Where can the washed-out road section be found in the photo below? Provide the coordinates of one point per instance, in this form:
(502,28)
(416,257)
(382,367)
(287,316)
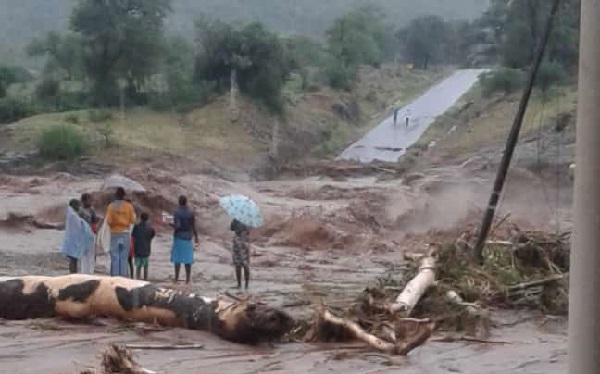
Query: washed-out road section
(390,139)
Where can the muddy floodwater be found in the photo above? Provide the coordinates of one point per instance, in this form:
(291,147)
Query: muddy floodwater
(323,241)
(523,343)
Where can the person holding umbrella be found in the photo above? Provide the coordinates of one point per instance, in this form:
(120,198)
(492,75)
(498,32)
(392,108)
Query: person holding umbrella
(245,214)
(184,230)
(240,252)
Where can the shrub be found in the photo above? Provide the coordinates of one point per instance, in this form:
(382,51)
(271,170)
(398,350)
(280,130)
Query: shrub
(72,118)
(12,110)
(106,130)
(339,77)
(504,80)
(100,115)
(550,74)
(61,142)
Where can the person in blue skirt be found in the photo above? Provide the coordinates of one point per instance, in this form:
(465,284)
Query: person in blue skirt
(184,226)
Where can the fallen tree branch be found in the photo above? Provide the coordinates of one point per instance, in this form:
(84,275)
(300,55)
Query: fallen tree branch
(415,289)
(534,283)
(81,296)
(454,298)
(164,346)
(328,320)
(451,338)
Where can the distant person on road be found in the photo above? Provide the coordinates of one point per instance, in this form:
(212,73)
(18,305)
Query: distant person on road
(240,252)
(182,252)
(407,118)
(120,217)
(142,235)
(396,115)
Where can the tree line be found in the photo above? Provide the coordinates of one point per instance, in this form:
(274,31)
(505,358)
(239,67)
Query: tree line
(114,49)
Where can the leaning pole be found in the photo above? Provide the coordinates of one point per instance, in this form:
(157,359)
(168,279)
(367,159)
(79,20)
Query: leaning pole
(584,305)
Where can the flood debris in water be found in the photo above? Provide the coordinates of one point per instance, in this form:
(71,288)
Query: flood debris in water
(447,292)
(118,360)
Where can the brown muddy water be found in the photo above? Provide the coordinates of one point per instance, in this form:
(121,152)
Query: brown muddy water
(533,344)
(357,237)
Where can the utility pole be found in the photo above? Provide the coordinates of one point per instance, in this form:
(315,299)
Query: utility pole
(584,292)
(513,137)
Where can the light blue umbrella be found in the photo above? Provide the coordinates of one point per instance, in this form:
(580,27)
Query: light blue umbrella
(243,209)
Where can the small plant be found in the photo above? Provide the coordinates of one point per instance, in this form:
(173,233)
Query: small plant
(72,118)
(100,115)
(61,142)
(107,130)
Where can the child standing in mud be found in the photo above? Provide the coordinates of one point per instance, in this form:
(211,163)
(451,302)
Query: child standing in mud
(240,252)
(142,236)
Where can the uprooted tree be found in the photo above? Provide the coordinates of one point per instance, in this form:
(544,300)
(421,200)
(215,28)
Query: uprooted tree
(447,292)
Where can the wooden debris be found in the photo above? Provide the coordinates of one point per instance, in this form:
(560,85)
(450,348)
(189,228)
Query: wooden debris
(165,346)
(416,288)
(453,338)
(118,360)
(352,330)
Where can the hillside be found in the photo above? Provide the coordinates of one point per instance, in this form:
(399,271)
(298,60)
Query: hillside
(22,20)
(317,124)
(477,127)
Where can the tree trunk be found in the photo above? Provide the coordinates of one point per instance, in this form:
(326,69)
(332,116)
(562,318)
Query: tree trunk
(346,328)
(233,92)
(414,290)
(84,296)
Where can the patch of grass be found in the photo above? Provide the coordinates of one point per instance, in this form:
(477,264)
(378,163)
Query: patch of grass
(486,121)
(100,115)
(72,118)
(61,142)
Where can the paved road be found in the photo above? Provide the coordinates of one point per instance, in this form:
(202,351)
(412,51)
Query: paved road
(389,141)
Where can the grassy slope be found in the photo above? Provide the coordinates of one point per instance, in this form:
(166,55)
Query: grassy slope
(213,133)
(487,121)
(377,92)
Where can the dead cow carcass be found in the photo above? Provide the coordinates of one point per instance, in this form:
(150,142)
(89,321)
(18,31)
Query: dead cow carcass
(84,296)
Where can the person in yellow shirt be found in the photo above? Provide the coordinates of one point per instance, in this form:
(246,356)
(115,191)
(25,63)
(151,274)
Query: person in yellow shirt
(120,216)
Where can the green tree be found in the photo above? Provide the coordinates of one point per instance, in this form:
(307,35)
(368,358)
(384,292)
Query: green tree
(362,37)
(424,41)
(177,69)
(523,27)
(63,52)
(550,74)
(120,39)
(7,77)
(252,55)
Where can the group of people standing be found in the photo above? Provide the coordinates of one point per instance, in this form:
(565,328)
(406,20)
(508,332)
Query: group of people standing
(131,239)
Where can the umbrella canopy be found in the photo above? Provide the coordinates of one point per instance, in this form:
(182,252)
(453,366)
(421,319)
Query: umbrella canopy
(117,180)
(243,209)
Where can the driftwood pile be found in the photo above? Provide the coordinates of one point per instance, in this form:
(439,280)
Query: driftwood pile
(447,292)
